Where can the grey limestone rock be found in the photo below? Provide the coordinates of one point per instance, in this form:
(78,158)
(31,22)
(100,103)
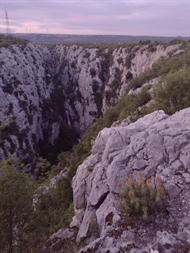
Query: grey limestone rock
(46,86)
(146,145)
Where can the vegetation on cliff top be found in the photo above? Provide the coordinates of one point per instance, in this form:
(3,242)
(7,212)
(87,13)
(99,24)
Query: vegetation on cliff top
(8,40)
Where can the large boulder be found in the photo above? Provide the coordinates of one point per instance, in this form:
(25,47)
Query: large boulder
(158,146)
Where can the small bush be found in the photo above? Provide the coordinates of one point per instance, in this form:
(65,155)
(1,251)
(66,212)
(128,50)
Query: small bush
(138,81)
(129,76)
(128,62)
(120,60)
(93,227)
(73,64)
(92,72)
(86,54)
(95,86)
(152,48)
(172,93)
(144,42)
(8,88)
(141,197)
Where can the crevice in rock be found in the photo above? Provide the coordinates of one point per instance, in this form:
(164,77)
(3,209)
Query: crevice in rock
(101,200)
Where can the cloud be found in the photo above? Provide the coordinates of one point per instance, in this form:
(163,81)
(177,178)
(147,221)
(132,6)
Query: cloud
(128,17)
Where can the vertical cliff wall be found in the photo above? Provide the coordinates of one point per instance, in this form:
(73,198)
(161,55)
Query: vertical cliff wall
(52,90)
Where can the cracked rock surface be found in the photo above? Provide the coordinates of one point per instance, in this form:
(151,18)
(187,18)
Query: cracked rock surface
(158,146)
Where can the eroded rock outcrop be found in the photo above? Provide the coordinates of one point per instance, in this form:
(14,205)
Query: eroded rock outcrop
(50,89)
(23,90)
(158,145)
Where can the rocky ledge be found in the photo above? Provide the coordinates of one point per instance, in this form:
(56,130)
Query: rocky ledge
(157,145)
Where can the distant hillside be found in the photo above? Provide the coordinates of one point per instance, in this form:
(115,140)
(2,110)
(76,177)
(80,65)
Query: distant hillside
(110,39)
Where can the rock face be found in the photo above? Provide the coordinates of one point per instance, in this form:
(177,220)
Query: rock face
(29,92)
(158,145)
(23,90)
(50,89)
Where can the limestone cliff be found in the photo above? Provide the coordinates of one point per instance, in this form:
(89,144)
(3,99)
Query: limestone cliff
(50,90)
(156,145)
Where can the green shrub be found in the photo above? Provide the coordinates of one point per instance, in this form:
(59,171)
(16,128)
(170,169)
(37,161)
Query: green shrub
(140,198)
(5,122)
(110,116)
(83,148)
(8,40)
(144,42)
(173,91)
(138,81)
(54,208)
(16,207)
(177,41)
(128,105)
(63,159)
(144,96)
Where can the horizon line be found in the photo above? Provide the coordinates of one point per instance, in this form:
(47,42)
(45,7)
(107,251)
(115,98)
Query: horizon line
(178,36)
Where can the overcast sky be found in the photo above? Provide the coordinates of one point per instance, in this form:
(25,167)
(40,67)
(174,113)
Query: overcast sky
(117,17)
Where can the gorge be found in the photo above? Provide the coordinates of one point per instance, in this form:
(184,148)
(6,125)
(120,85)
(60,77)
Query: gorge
(54,93)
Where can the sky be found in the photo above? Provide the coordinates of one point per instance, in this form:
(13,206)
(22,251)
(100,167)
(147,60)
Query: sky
(100,17)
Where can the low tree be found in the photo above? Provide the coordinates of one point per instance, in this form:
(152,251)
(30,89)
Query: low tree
(54,208)
(16,207)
